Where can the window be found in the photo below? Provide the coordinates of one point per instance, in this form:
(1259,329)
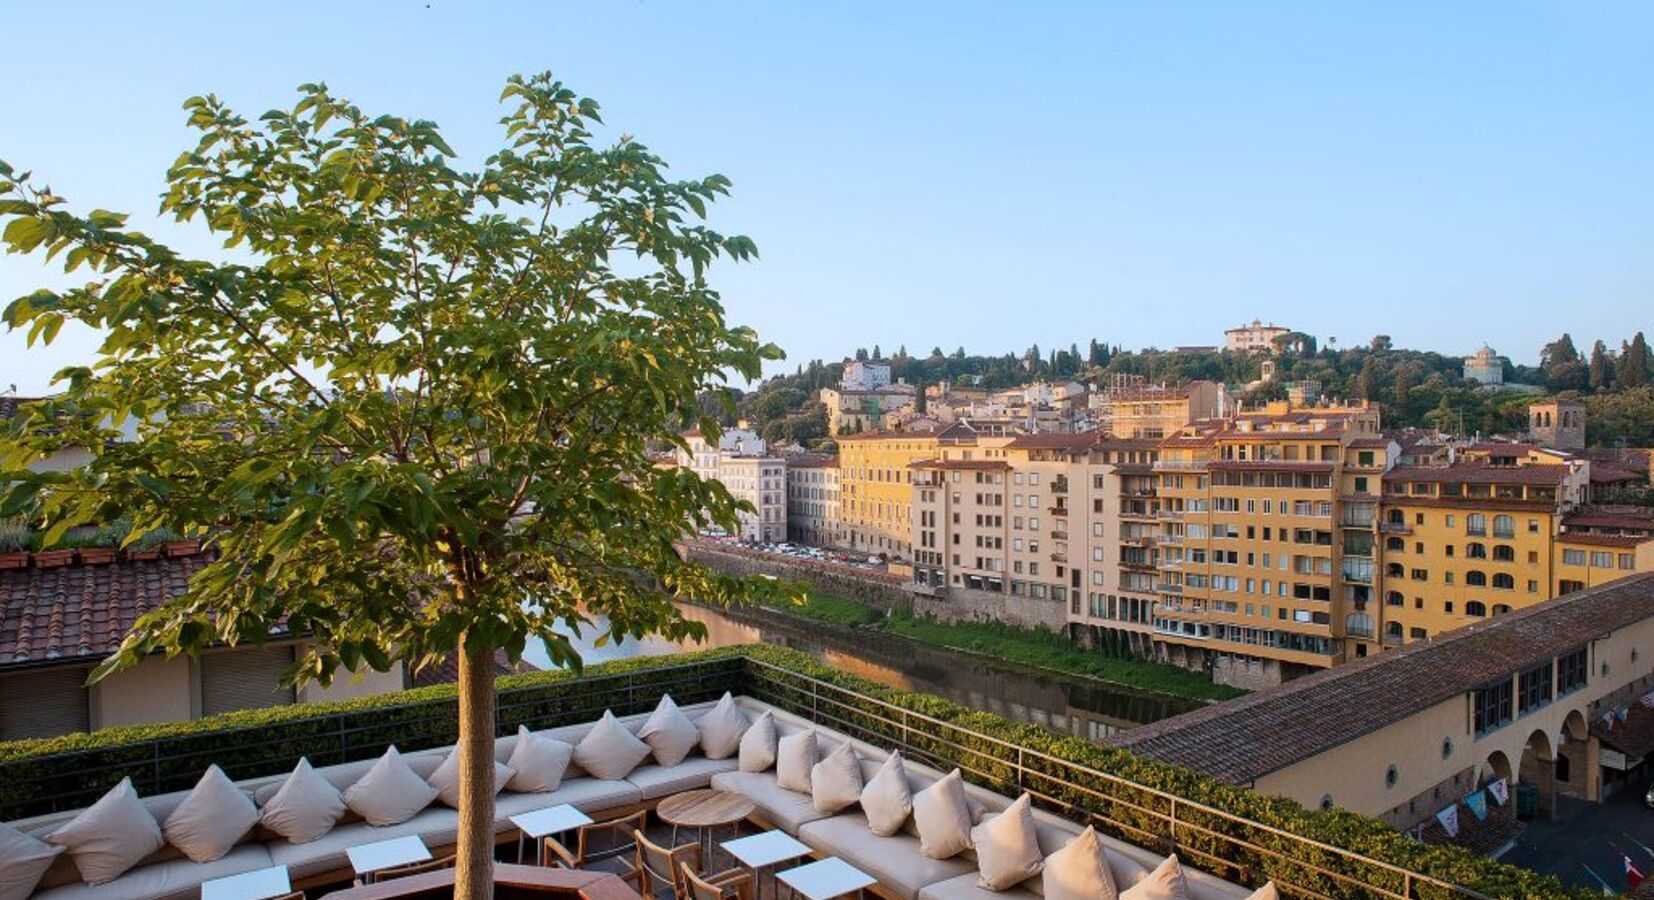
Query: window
(1492,706)
(1601,559)
(1391,776)
(1628,561)
(1504,526)
(1475,578)
(1475,551)
(1533,689)
(1571,671)
(1573,557)
(1475,524)
(1504,553)
(1504,582)
(1475,608)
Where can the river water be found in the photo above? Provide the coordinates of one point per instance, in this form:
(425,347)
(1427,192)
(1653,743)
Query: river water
(1081,707)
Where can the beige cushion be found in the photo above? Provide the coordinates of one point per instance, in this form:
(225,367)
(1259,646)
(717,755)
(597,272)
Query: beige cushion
(942,818)
(390,793)
(1007,847)
(887,800)
(1166,882)
(1079,871)
(446,779)
(306,807)
(758,744)
(212,819)
(609,751)
(537,762)
(669,733)
(1267,892)
(721,728)
(795,756)
(23,859)
(835,782)
(110,836)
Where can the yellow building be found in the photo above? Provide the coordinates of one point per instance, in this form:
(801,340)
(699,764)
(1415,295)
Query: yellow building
(1254,583)
(1470,540)
(1135,410)
(876,486)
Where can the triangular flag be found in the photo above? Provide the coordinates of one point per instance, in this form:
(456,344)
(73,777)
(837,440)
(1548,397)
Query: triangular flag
(1499,791)
(1478,805)
(1633,875)
(1449,818)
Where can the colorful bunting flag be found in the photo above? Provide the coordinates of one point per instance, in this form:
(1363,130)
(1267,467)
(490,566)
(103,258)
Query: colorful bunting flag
(1478,805)
(1499,791)
(1647,700)
(1633,875)
(1449,818)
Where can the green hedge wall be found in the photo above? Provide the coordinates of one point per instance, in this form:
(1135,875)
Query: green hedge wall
(38,776)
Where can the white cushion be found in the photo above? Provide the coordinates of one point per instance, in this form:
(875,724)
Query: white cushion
(1166,882)
(446,779)
(110,836)
(669,733)
(537,762)
(795,756)
(306,807)
(721,728)
(942,817)
(1079,871)
(23,860)
(758,744)
(390,793)
(1267,892)
(1007,847)
(609,751)
(887,800)
(212,819)
(835,782)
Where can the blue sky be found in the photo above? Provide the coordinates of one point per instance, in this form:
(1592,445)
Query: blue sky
(982,174)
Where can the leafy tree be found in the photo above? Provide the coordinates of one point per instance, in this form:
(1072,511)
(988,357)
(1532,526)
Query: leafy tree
(877,353)
(861,354)
(1634,363)
(1602,368)
(411,415)
(1380,343)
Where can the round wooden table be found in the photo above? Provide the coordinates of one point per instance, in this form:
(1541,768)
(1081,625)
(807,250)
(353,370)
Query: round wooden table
(704,810)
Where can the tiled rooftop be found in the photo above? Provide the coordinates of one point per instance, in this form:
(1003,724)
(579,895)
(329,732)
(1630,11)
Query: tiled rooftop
(81,610)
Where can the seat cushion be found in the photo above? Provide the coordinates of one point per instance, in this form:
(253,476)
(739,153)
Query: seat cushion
(783,809)
(436,825)
(695,772)
(896,861)
(175,879)
(589,795)
(969,887)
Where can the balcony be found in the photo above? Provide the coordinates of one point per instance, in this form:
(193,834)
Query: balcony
(1395,528)
(1169,587)
(1164,513)
(1057,510)
(1059,557)
(932,734)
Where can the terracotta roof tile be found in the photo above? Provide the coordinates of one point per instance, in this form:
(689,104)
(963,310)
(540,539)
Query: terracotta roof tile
(1476,473)
(1246,738)
(83,611)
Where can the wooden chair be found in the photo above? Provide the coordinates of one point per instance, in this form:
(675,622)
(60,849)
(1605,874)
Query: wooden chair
(731,885)
(660,866)
(429,865)
(601,842)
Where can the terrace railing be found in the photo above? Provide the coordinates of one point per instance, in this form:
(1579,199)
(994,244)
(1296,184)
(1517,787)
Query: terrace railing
(1228,845)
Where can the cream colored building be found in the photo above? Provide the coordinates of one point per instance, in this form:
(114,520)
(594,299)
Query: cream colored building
(813,500)
(1254,338)
(1519,699)
(1138,410)
(760,482)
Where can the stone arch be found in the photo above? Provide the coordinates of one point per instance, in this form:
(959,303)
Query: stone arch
(1537,771)
(1574,727)
(1497,767)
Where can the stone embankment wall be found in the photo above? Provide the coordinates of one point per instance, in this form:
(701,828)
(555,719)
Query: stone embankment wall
(957,604)
(879,590)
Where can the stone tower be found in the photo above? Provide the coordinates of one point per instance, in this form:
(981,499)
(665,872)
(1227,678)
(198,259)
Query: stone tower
(1558,424)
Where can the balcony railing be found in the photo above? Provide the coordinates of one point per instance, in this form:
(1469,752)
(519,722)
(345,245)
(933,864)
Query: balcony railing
(1227,844)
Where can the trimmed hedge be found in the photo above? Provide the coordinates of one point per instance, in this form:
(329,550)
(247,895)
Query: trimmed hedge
(269,741)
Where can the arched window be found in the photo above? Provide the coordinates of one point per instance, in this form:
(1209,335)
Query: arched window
(1359,625)
(1394,570)
(1500,609)
(1504,553)
(1475,578)
(1397,517)
(1504,526)
(1475,608)
(1395,544)
(1394,598)
(1475,550)
(1392,629)
(1503,581)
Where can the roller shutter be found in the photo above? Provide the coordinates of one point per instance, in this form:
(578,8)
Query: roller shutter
(245,678)
(44,703)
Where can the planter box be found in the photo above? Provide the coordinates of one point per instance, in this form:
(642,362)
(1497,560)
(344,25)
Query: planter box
(97,556)
(183,548)
(51,559)
(16,560)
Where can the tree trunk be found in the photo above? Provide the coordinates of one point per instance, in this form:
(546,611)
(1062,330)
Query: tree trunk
(474,875)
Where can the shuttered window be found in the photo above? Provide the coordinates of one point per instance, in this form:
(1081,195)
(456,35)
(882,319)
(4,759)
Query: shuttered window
(45,703)
(245,678)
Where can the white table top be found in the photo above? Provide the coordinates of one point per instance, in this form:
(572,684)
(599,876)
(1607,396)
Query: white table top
(828,878)
(255,885)
(551,820)
(765,849)
(400,851)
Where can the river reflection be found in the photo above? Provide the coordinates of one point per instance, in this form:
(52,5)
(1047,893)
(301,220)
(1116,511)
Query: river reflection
(1083,708)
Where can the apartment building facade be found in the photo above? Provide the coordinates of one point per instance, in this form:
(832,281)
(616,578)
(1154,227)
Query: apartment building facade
(737,460)
(1254,338)
(813,500)
(1137,410)
(876,486)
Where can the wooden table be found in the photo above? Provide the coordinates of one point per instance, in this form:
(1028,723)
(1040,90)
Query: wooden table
(704,810)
